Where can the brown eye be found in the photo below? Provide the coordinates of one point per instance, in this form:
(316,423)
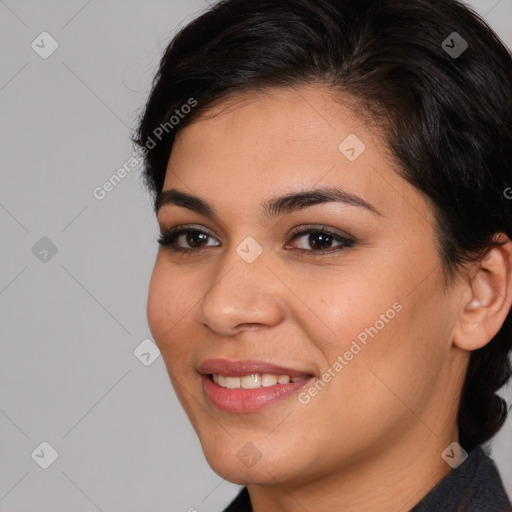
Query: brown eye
(320,240)
(195,238)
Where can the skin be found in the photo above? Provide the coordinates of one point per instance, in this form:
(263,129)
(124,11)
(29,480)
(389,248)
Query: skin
(372,438)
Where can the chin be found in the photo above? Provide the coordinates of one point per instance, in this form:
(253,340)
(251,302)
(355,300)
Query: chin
(241,467)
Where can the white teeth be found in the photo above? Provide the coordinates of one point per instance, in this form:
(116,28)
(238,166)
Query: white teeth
(255,380)
(250,381)
(232,382)
(268,380)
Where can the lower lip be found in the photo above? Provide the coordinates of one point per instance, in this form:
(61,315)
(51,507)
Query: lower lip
(249,400)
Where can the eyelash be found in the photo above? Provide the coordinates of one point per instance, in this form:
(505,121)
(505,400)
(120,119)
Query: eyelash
(169,237)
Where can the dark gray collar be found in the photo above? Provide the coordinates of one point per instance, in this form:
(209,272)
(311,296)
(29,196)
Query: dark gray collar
(475,486)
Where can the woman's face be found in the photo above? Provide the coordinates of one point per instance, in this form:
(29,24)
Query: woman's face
(367,319)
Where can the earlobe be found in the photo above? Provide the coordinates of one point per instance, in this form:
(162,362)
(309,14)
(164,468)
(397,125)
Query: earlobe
(490,292)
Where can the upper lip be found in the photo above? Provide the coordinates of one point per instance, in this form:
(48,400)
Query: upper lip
(241,368)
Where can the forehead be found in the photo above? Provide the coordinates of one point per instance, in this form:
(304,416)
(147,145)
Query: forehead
(275,125)
(277,141)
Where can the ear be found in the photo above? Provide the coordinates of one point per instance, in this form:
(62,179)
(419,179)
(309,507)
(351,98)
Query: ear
(487,298)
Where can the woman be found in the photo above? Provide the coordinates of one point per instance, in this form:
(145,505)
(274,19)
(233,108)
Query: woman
(332,293)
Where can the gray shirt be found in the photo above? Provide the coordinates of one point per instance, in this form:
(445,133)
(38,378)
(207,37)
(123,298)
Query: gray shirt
(474,486)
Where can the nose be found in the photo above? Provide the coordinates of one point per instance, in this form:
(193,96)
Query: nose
(241,296)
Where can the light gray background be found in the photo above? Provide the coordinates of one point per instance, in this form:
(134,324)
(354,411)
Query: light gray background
(69,325)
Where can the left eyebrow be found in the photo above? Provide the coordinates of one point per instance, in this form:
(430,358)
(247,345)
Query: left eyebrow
(274,207)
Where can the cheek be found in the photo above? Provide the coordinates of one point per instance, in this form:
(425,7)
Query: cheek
(353,307)
(167,308)
(157,305)
(392,356)
(380,330)
(173,297)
